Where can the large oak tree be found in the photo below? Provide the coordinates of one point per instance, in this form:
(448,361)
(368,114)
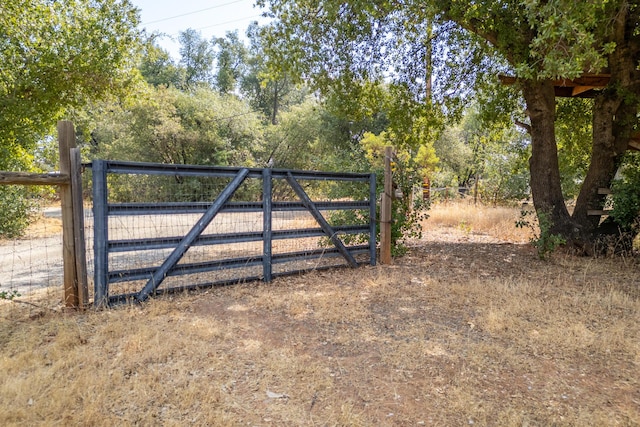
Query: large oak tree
(540,42)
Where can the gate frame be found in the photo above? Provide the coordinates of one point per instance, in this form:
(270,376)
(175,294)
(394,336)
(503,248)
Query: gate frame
(102,210)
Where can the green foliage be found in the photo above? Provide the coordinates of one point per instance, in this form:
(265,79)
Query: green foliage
(172,126)
(15,208)
(9,295)
(157,67)
(626,195)
(196,57)
(407,216)
(543,240)
(231,57)
(409,169)
(574,137)
(16,202)
(295,143)
(268,90)
(493,153)
(57,55)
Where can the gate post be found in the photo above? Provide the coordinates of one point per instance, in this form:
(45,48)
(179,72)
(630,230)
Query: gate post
(78,227)
(267,194)
(385,209)
(67,141)
(372,219)
(100,234)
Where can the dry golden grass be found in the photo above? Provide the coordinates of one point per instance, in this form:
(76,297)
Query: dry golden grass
(41,227)
(498,221)
(466,329)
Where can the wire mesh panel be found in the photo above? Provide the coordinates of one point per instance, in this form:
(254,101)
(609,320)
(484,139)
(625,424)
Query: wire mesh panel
(31,262)
(163,228)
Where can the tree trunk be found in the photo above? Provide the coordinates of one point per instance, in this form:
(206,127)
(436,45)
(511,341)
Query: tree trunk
(605,159)
(614,117)
(545,173)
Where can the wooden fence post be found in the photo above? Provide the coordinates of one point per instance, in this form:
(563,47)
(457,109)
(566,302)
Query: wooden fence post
(78,227)
(74,267)
(385,209)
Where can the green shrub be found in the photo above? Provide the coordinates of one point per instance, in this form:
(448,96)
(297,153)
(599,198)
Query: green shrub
(543,240)
(15,210)
(626,195)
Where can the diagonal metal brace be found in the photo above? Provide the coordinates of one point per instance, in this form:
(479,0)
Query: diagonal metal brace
(329,231)
(177,254)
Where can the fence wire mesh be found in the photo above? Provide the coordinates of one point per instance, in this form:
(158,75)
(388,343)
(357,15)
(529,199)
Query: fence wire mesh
(148,214)
(31,264)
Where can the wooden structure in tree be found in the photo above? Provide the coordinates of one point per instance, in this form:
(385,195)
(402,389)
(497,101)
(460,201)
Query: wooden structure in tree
(585,86)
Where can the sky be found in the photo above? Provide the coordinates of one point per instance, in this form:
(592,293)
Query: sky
(209,17)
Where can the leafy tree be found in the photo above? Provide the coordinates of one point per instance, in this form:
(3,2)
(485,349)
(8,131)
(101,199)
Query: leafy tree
(269,90)
(539,42)
(172,126)
(167,125)
(231,57)
(295,142)
(56,56)
(158,68)
(556,39)
(455,158)
(196,56)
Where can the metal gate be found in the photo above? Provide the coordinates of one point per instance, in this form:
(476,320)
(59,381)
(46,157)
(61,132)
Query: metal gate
(316,208)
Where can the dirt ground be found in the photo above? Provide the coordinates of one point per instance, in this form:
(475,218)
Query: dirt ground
(469,328)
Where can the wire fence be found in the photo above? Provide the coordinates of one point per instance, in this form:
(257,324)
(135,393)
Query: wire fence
(150,234)
(158,210)
(31,265)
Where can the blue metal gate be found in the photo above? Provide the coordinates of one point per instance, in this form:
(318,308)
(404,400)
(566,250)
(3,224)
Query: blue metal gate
(343,231)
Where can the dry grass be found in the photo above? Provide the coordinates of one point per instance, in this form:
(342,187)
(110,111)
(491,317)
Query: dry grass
(498,221)
(40,228)
(466,329)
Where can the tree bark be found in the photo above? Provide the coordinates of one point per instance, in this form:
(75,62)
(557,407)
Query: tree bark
(543,164)
(606,154)
(614,117)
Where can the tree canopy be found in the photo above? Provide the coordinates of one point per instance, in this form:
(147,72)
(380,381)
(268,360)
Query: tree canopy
(465,45)
(328,82)
(58,54)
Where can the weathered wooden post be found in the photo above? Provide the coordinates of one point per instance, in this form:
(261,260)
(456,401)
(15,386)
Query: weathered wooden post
(385,209)
(78,227)
(73,254)
(372,219)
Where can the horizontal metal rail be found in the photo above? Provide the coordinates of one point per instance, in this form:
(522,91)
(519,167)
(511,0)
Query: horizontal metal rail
(135,168)
(227,238)
(243,262)
(171,208)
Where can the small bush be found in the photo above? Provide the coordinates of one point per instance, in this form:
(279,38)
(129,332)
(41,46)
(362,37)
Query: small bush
(626,195)
(543,240)
(15,211)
